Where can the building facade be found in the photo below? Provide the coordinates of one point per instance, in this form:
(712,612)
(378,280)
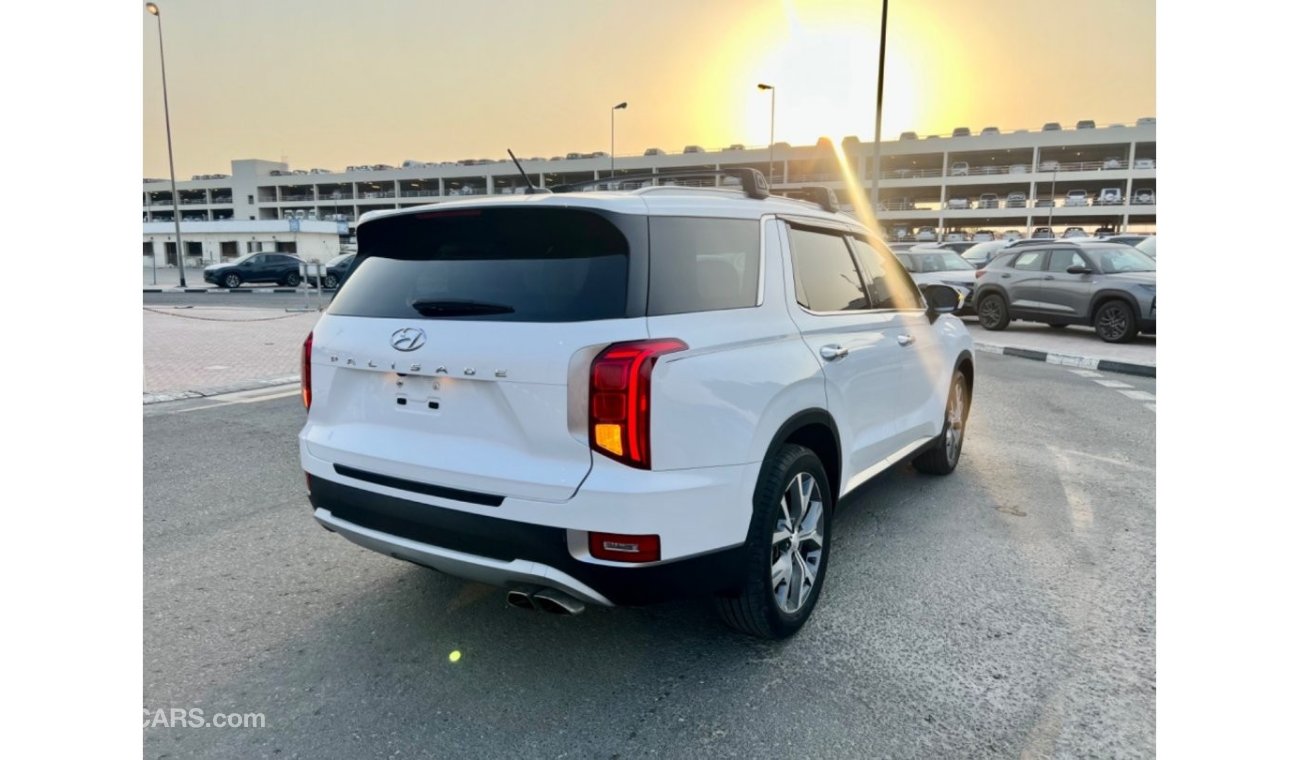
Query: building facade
(1092,177)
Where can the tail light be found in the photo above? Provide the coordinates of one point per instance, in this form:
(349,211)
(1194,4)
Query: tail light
(306,372)
(618,424)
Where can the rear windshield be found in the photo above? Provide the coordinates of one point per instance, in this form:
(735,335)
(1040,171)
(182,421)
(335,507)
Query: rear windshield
(504,264)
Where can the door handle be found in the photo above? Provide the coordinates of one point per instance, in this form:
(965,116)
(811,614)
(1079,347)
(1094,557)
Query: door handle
(1005,276)
(832,352)
(1049,277)
(906,340)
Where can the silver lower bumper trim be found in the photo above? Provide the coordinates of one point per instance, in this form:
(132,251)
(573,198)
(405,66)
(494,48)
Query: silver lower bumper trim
(470,566)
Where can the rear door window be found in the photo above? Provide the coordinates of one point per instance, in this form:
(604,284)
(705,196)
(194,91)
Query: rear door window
(701,264)
(825,278)
(499,264)
(1031,261)
(888,284)
(1064,258)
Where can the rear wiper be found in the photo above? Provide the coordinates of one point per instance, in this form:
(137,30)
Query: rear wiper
(448,308)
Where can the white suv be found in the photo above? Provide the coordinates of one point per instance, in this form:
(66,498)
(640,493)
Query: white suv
(622,397)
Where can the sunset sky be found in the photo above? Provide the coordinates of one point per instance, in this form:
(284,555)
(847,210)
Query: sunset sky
(329,83)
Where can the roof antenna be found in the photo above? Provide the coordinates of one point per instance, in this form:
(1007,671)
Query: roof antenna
(531,190)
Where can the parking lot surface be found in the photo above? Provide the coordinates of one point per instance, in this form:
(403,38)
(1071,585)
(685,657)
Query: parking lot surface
(1007,610)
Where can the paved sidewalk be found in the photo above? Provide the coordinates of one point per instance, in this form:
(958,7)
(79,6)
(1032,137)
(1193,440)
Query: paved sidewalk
(201,351)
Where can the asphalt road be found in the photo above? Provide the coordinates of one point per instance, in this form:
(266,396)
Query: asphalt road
(1007,610)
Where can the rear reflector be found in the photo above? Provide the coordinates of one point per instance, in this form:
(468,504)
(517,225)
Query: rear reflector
(618,547)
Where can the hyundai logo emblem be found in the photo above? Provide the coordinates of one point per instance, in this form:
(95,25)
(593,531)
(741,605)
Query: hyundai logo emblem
(407,339)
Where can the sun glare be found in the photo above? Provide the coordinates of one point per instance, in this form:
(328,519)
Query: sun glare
(824,68)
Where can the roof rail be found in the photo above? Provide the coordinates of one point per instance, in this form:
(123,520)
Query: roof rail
(752,181)
(824,197)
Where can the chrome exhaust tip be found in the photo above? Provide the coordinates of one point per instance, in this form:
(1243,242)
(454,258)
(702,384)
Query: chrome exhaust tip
(557,602)
(520,599)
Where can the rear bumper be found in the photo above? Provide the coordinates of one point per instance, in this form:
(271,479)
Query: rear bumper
(507,552)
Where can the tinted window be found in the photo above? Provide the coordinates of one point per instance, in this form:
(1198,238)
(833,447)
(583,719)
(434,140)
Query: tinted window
(1123,259)
(825,278)
(889,286)
(1030,260)
(502,264)
(702,264)
(1064,258)
(938,261)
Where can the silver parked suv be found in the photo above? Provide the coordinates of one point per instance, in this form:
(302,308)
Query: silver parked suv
(1109,286)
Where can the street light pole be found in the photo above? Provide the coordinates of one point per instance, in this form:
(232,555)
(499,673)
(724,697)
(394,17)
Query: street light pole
(771,135)
(880,95)
(1052,208)
(171,164)
(620,106)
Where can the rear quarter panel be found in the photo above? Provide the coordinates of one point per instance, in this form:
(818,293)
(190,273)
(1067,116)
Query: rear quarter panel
(747,371)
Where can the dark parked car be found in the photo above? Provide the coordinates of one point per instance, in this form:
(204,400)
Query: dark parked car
(265,266)
(1110,286)
(337,268)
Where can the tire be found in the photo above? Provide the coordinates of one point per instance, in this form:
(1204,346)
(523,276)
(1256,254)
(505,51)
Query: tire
(942,458)
(331,282)
(1115,322)
(993,312)
(776,611)
(293,279)
(231,280)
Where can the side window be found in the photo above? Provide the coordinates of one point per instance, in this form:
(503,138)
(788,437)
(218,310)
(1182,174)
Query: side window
(889,285)
(825,278)
(257,260)
(699,264)
(1030,261)
(1064,258)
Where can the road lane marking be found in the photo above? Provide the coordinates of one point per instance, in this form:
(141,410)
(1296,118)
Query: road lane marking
(1152,407)
(1086,373)
(1139,395)
(1107,460)
(1075,496)
(1112,384)
(217,405)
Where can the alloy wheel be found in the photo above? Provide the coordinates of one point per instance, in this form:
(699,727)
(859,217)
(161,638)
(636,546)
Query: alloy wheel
(990,312)
(956,422)
(797,543)
(1112,322)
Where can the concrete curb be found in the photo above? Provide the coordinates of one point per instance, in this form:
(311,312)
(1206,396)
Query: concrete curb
(1070,360)
(247,385)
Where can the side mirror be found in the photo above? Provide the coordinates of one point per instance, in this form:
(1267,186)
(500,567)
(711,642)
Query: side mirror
(941,299)
(1078,270)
